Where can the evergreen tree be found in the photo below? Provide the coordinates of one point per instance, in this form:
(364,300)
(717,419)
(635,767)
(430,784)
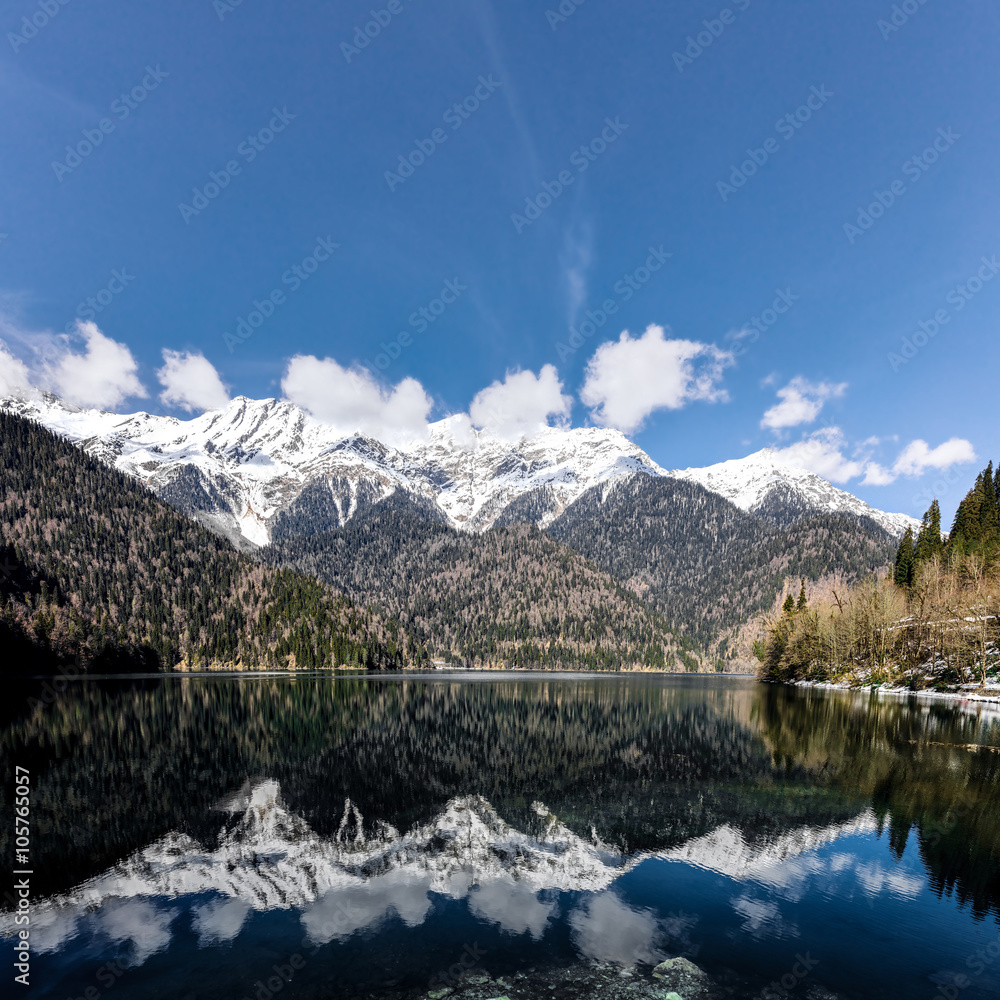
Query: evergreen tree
(977,521)
(789,606)
(929,542)
(802,604)
(989,511)
(903,573)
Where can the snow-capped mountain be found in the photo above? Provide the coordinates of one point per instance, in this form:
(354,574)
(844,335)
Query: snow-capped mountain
(760,484)
(244,469)
(270,859)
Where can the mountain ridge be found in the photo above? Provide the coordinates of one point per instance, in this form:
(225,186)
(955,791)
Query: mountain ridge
(245,470)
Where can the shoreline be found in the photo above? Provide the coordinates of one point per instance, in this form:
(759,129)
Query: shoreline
(340,673)
(990,695)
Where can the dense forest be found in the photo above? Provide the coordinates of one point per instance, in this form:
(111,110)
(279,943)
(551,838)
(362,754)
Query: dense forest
(934,621)
(97,572)
(510,596)
(702,562)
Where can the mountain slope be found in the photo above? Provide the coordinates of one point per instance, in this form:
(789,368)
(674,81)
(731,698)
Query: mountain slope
(761,484)
(703,562)
(93,568)
(264,469)
(508,596)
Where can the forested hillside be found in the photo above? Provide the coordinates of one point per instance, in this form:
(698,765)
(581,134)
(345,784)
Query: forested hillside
(511,595)
(933,622)
(702,562)
(95,570)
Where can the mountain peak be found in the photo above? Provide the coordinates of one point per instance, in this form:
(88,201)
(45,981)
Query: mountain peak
(242,465)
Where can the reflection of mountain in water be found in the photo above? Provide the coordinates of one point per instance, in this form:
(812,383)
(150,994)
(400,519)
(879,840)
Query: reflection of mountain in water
(271,859)
(631,766)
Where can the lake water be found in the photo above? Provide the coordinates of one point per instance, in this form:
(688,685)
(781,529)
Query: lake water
(391,837)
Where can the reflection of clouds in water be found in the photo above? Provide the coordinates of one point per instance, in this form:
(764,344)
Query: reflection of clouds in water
(875,879)
(512,905)
(609,930)
(796,877)
(219,922)
(346,909)
(51,929)
(139,922)
(677,929)
(762,920)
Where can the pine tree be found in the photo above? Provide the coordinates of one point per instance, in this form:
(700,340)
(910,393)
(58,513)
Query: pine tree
(977,521)
(929,542)
(802,604)
(789,606)
(903,573)
(989,512)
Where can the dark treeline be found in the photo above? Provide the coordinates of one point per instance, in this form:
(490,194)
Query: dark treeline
(934,621)
(510,596)
(97,573)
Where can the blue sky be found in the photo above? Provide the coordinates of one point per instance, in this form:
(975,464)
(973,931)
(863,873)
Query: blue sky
(241,142)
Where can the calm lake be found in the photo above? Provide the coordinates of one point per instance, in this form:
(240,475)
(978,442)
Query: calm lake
(392,837)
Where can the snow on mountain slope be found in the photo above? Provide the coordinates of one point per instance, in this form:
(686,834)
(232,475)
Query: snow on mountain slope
(270,859)
(754,482)
(236,469)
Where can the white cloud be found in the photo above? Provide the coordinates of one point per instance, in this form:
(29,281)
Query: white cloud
(14,380)
(877,475)
(520,404)
(629,378)
(610,930)
(826,452)
(103,376)
(823,452)
(191,382)
(801,402)
(346,909)
(139,922)
(351,400)
(513,905)
(918,456)
(219,921)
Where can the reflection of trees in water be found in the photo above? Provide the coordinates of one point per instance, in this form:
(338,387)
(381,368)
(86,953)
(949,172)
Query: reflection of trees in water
(117,765)
(917,764)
